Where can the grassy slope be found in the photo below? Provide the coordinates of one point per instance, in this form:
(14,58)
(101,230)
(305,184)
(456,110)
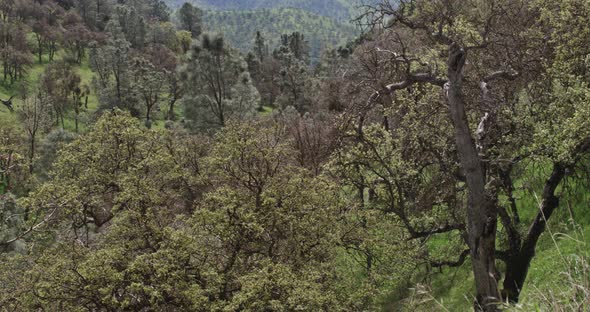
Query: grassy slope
(453,288)
(32,79)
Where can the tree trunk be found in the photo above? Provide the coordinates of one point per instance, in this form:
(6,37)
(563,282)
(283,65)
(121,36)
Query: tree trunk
(171,115)
(518,264)
(79,53)
(32,153)
(77,113)
(148,119)
(40,52)
(118,85)
(481,214)
(52,51)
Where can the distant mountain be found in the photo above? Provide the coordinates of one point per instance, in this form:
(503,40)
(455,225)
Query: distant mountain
(240,27)
(341,10)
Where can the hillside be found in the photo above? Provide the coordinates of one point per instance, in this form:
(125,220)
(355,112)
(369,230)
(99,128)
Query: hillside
(341,10)
(240,27)
(150,163)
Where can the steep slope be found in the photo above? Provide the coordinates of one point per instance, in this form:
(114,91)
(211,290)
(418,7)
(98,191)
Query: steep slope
(240,27)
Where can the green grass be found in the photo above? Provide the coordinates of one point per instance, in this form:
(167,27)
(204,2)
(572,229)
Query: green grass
(87,75)
(454,287)
(266,110)
(564,238)
(32,78)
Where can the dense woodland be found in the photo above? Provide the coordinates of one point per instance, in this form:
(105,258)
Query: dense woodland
(340,10)
(436,162)
(239,27)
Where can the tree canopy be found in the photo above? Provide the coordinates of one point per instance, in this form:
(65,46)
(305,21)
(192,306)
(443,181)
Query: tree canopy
(259,158)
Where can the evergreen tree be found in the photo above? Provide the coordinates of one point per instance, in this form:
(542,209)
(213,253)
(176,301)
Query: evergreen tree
(260,47)
(191,19)
(132,24)
(297,45)
(111,63)
(158,9)
(217,84)
(294,77)
(149,84)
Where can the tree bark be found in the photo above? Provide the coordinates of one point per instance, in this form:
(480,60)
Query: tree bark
(171,115)
(148,118)
(32,152)
(40,51)
(518,264)
(481,213)
(77,112)
(61,116)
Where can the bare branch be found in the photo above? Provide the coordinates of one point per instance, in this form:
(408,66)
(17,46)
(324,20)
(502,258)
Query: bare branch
(443,229)
(453,264)
(31,229)
(411,80)
(501,74)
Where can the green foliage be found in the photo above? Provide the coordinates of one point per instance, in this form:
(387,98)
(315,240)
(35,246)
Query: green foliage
(132,23)
(191,19)
(294,81)
(561,125)
(218,85)
(13,173)
(240,27)
(111,63)
(342,10)
(149,84)
(398,197)
(261,224)
(12,218)
(295,207)
(49,147)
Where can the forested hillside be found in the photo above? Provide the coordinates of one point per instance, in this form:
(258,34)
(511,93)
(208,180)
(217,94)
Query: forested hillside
(325,24)
(169,158)
(240,27)
(341,10)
